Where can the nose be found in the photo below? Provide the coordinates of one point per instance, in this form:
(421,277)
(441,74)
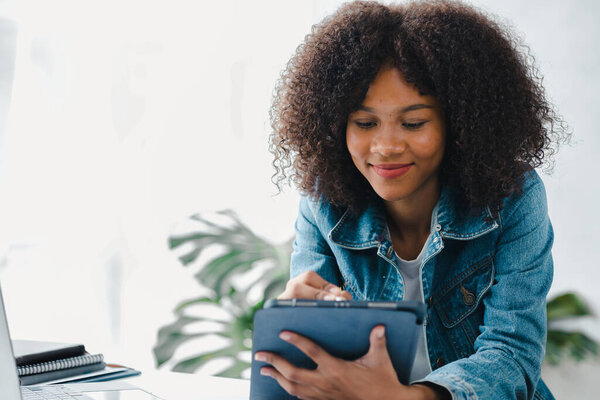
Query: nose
(388,141)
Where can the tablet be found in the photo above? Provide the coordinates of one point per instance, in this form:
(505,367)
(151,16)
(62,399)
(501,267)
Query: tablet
(342,328)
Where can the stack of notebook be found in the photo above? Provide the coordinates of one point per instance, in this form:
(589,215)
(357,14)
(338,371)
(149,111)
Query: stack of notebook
(48,362)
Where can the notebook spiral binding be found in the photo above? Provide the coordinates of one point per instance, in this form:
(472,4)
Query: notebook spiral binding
(56,365)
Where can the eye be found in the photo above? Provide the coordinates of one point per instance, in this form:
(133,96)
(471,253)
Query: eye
(365,125)
(414,125)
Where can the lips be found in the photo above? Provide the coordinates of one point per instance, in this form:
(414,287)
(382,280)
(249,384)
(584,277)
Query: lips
(391,170)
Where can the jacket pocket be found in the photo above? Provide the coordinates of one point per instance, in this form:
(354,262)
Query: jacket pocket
(461,296)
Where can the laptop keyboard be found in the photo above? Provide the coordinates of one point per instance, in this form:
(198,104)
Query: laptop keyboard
(50,393)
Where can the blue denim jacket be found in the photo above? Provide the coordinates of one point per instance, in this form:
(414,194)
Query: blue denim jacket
(484,278)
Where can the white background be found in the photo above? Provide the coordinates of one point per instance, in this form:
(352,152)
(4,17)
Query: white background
(127,116)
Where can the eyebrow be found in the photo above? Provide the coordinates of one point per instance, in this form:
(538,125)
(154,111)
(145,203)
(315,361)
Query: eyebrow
(406,109)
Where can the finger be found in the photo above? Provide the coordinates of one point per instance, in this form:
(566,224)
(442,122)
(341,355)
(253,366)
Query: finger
(310,285)
(315,280)
(346,295)
(378,353)
(299,290)
(288,370)
(293,388)
(310,348)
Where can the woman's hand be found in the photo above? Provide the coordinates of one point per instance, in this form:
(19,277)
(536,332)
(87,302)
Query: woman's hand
(310,285)
(369,377)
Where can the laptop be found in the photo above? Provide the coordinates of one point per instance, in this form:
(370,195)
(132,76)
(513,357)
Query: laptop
(10,388)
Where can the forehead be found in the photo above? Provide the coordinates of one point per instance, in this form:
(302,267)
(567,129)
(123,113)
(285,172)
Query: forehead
(390,87)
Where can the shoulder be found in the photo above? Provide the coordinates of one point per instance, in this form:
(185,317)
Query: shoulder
(320,211)
(316,217)
(529,206)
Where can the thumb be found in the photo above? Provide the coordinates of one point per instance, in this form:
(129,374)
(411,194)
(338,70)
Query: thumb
(377,353)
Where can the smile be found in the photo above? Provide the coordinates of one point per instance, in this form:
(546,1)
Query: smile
(391,170)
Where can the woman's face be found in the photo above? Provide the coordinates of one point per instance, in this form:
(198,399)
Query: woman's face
(396,138)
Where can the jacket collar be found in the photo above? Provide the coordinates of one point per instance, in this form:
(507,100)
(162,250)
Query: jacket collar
(456,223)
(369,228)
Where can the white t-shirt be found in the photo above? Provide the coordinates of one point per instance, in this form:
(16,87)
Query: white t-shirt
(412,291)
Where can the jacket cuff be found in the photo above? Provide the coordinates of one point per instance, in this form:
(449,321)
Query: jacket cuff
(459,389)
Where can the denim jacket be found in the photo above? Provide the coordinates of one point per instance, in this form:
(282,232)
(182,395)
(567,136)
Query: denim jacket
(484,278)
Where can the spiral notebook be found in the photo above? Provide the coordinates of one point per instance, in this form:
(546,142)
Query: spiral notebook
(40,362)
(56,365)
(59,369)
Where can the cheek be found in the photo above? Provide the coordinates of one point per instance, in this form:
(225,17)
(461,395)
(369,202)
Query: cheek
(355,144)
(429,146)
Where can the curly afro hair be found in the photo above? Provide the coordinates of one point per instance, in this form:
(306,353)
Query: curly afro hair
(499,122)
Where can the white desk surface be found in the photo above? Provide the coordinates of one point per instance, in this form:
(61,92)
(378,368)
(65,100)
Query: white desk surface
(179,386)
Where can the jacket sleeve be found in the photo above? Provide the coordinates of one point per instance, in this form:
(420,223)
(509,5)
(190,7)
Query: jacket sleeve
(310,250)
(510,349)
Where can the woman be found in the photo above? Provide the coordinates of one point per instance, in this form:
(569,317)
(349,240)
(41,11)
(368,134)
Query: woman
(413,132)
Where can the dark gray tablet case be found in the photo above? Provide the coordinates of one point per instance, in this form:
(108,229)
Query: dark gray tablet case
(342,328)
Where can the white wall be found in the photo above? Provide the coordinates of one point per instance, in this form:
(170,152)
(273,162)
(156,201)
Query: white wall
(128,116)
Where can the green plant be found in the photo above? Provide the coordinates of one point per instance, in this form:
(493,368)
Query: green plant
(247,270)
(562,343)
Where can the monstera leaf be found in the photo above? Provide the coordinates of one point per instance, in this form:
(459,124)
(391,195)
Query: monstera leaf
(563,343)
(245,271)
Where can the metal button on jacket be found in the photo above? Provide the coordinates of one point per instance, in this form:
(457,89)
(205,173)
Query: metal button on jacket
(468,297)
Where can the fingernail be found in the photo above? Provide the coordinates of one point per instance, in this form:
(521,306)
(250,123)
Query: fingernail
(329,297)
(260,357)
(339,298)
(333,289)
(380,332)
(265,372)
(285,336)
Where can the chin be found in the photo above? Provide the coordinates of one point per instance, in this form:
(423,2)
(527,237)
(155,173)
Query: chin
(391,195)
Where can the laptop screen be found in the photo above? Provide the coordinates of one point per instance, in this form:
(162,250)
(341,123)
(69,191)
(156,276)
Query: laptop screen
(9,381)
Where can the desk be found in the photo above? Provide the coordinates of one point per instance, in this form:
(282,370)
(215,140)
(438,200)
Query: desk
(179,386)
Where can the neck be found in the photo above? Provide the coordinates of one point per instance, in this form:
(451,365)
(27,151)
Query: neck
(411,217)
